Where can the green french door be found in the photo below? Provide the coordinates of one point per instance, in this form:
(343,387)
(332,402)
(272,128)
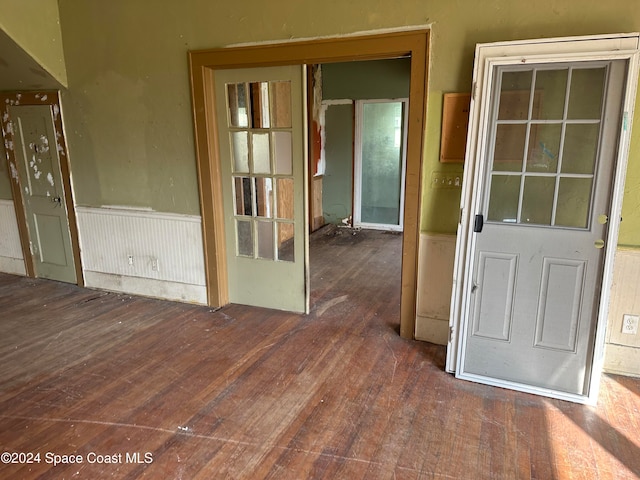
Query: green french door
(261,120)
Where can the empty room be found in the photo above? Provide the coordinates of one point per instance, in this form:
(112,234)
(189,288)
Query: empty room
(337,240)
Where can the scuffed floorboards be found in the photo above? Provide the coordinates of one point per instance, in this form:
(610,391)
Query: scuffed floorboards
(249,393)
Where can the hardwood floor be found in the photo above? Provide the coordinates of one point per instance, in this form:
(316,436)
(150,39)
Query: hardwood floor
(249,393)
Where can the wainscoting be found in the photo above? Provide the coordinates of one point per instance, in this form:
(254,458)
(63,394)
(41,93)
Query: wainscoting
(143,252)
(622,354)
(435,279)
(11,258)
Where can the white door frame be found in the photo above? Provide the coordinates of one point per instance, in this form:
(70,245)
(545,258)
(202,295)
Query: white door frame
(357,164)
(488,56)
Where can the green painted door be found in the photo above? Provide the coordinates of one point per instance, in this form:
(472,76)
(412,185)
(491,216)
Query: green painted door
(42,190)
(261,128)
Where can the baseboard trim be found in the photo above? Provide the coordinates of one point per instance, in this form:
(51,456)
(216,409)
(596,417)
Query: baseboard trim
(434,330)
(147,287)
(622,360)
(13,266)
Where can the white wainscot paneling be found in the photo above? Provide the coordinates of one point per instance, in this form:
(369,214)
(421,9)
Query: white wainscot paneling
(436,254)
(143,253)
(11,258)
(622,352)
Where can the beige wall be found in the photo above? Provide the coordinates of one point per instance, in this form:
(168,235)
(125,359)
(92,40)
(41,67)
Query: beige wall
(623,350)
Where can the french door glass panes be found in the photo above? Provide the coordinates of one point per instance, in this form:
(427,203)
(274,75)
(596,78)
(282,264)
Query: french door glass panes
(259,121)
(545,143)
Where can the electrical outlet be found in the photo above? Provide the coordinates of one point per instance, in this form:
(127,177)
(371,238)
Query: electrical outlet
(130,259)
(630,324)
(154,264)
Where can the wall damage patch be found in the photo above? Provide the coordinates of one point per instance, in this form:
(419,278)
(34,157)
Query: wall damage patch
(14,171)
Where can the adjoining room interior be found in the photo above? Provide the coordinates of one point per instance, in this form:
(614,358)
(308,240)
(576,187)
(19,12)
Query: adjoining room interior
(350,197)
(344,86)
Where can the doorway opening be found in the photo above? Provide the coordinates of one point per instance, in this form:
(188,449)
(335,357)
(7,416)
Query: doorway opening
(357,166)
(413,44)
(358,160)
(379,167)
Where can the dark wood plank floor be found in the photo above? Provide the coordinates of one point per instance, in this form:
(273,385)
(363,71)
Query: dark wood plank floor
(248,393)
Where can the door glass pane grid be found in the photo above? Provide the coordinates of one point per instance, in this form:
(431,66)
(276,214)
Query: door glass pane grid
(260,126)
(530,182)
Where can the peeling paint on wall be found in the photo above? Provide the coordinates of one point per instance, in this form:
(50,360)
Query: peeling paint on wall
(14,171)
(10,101)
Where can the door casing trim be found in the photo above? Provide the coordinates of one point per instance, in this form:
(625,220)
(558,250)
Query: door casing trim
(202,64)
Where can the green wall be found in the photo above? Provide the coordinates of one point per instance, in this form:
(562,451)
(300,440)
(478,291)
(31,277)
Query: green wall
(128,114)
(35,26)
(366,80)
(338,176)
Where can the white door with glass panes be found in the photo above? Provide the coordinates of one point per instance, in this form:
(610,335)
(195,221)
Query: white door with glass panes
(380,163)
(261,122)
(541,224)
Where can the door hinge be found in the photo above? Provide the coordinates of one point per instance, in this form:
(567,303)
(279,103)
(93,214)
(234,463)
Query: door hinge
(450,334)
(473,90)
